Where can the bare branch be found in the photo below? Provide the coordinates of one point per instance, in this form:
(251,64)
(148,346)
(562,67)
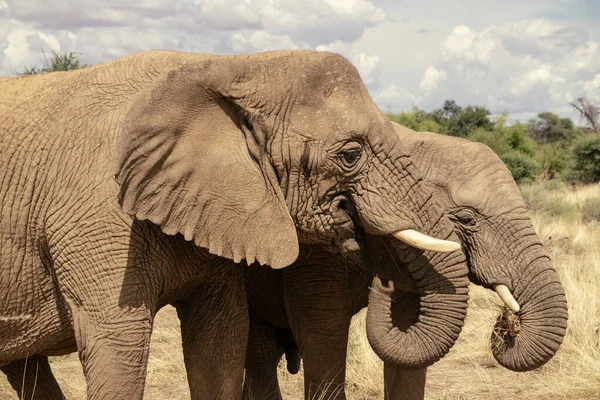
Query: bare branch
(588,112)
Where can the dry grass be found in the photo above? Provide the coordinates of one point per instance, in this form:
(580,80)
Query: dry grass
(469,371)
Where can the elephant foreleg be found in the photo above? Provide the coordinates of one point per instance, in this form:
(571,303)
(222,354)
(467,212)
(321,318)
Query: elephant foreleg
(319,315)
(32,378)
(404,384)
(113,351)
(214,331)
(262,357)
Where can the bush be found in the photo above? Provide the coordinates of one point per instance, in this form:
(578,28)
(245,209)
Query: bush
(590,209)
(66,61)
(517,139)
(586,159)
(554,159)
(550,198)
(522,166)
(558,207)
(415,120)
(494,140)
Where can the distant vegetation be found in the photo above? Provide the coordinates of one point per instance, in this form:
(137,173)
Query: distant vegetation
(546,147)
(57,62)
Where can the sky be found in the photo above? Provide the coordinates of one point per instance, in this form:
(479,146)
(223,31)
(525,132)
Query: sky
(520,57)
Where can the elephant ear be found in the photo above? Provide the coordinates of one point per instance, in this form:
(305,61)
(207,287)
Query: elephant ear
(189,161)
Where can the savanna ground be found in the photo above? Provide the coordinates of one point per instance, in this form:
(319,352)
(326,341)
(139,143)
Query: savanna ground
(568,221)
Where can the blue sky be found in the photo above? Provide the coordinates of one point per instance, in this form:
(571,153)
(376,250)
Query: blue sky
(517,56)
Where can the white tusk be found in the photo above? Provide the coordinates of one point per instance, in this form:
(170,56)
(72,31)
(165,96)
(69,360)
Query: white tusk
(507,297)
(424,242)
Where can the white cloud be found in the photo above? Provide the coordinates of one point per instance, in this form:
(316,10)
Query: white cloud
(523,67)
(432,79)
(477,53)
(395,97)
(103,30)
(593,85)
(366,64)
(260,41)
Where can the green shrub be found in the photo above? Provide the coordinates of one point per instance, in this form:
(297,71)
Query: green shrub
(66,61)
(415,120)
(535,193)
(407,119)
(554,159)
(494,140)
(517,139)
(586,159)
(522,166)
(558,207)
(428,125)
(590,209)
(547,203)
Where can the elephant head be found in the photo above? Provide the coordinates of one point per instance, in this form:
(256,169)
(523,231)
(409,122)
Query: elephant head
(248,155)
(484,208)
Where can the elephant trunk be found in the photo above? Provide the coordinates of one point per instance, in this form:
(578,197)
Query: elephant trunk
(528,339)
(441,281)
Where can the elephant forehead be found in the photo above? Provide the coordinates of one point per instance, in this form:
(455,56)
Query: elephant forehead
(335,121)
(489,189)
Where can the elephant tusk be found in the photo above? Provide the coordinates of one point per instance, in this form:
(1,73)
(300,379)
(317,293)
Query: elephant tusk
(424,242)
(507,297)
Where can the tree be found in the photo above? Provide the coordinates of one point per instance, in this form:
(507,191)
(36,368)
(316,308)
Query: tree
(522,167)
(586,156)
(58,62)
(416,119)
(470,118)
(588,112)
(550,128)
(458,121)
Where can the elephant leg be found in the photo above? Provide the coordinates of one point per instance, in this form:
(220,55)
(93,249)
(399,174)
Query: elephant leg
(32,378)
(262,357)
(319,312)
(324,358)
(404,384)
(214,331)
(113,350)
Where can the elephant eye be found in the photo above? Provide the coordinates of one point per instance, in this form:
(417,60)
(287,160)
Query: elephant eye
(466,220)
(465,217)
(350,154)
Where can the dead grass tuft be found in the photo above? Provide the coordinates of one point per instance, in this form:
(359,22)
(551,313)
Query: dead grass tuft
(506,328)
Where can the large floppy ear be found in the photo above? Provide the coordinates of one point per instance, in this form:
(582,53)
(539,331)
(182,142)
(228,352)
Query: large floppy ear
(190,160)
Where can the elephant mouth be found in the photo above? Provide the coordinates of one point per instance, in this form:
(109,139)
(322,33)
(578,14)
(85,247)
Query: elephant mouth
(351,235)
(351,232)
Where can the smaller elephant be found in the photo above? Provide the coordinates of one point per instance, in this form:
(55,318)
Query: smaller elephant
(317,296)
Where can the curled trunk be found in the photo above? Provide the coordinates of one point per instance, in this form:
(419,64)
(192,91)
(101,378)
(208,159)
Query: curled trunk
(442,284)
(528,339)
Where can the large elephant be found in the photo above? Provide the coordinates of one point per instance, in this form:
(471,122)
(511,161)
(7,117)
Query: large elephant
(217,159)
(317,296)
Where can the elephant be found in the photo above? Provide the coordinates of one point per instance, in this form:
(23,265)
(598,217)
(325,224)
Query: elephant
(149,179)
(313,300)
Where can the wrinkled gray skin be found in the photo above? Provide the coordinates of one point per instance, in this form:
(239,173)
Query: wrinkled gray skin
(314,299)
(216,158)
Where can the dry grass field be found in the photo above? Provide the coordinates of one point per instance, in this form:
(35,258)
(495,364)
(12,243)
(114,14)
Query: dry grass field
(567,219)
